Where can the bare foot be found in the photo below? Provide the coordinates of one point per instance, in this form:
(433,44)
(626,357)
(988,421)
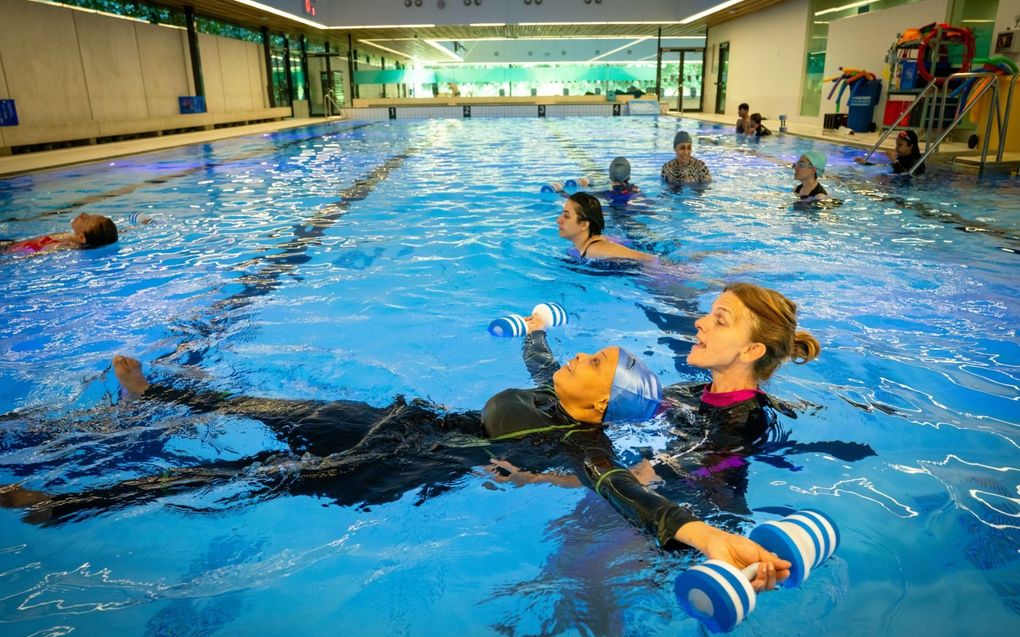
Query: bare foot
(129,373)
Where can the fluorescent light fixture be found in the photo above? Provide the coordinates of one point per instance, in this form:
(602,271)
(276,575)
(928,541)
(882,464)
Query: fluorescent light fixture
(378,26)
(275,11)
(488,24)
(821,22)
(593,24)
(440,47)
(379,46)
(620,48)
(979,21)
(545,38)
(57,3)
(709,11)
(852,5)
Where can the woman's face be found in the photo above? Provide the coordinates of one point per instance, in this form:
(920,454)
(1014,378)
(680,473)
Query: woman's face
(569,222)
(683,152)
(583,384)
(903,147)
(802,169)
(724,336)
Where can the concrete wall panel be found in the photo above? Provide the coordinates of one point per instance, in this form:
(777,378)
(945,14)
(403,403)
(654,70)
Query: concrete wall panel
(113,71)
(209,52)
(40,53)
(166,67)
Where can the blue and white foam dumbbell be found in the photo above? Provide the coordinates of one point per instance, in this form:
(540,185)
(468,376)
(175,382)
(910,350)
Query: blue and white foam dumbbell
(552,314)
(720,595)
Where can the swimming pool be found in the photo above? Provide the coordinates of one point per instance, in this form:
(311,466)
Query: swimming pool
(362,260)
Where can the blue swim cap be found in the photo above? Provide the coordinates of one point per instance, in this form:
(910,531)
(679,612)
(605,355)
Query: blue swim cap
(636,391)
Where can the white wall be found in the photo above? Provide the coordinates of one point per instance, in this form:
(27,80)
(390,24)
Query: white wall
(862,42)
(1005,18)
(766,71)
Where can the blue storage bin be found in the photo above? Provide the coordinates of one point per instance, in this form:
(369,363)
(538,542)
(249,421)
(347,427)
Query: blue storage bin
(908,74)
(864,95)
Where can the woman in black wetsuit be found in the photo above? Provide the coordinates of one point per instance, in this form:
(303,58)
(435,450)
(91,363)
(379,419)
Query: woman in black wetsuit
(358,454)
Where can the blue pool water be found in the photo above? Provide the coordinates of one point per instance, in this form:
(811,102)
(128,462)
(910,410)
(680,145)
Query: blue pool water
(360,261)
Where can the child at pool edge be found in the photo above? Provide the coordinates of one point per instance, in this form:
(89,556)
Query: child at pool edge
(806,170)
(742,118)
(906,155)
(87,231)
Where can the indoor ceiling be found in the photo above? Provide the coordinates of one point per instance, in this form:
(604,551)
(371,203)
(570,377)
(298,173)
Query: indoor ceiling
(413,43)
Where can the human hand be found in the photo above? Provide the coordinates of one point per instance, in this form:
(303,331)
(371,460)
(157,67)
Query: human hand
(891,154)
(535,322)
(859,160)
(737,550)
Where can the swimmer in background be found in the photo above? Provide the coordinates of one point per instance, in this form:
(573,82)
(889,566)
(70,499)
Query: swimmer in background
(359,454)
(756,128)
(743,121)
(684,169)
(87,231)
(619,180)
(906,155)
(581,222)
(806,170)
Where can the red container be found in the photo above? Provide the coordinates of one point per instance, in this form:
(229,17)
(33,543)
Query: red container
(893,110)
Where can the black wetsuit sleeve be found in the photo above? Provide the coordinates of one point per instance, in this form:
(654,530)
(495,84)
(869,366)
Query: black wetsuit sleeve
(655,513)
(539,358)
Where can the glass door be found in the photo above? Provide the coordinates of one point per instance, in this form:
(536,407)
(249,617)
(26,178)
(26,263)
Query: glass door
(720,84)
(681,73)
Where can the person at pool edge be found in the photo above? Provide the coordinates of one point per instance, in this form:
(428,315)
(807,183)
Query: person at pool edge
(87,231)
(581,222)
(743,120)
(807,170)
(684,169)
(906,155)
(748,334)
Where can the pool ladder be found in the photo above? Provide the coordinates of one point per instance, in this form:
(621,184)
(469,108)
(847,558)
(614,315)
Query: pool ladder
(931,123)
(330,106)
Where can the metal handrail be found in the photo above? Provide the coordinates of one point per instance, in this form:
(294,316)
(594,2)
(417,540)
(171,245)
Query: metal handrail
(329,100)
(994,87)
(917,100)
(1004,126)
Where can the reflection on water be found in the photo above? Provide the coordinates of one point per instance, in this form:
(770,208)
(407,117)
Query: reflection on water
(361,261)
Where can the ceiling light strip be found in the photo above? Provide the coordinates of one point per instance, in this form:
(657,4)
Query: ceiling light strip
(852,5)
(620,48)
(275,11)
(453,56)
(709,11)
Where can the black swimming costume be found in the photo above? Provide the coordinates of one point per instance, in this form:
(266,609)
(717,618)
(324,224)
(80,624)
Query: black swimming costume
(903,164)
(818,190)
